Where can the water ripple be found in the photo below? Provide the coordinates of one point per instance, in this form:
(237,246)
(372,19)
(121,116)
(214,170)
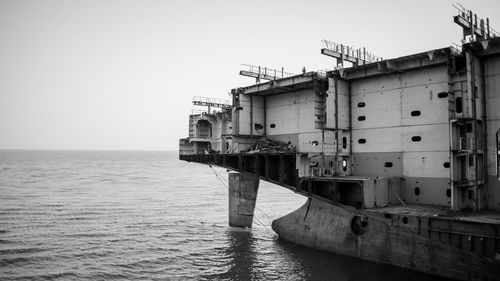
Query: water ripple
(144,215)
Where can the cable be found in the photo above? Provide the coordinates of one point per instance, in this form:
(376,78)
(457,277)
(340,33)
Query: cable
(221,179)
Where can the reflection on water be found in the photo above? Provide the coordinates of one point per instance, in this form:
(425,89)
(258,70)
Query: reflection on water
(247,261)
(241,255)
(148,216)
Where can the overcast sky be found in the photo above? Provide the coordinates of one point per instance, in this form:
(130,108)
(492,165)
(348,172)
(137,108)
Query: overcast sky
(121,74)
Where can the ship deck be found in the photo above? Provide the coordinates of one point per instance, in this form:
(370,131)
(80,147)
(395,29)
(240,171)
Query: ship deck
(483,216)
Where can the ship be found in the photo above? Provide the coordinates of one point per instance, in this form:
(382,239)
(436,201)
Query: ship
(399,158)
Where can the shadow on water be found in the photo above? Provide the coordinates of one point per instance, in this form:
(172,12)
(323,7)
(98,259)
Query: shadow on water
(321,265)
(241,255)
(294,262)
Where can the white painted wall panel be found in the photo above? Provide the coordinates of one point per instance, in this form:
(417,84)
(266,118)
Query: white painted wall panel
(432,113)
(382,109)
(399,80)
(254,107)
(291,113)
(433,138)
(343,105)
(305,142)
(426,164)
(377,140)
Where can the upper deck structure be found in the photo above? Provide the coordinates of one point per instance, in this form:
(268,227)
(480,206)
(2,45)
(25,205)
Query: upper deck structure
(411,144)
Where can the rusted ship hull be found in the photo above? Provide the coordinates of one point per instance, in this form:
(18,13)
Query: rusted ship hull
(383,238)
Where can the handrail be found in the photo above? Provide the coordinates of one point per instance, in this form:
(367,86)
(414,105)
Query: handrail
(211,100)
(351,51)
(262,70)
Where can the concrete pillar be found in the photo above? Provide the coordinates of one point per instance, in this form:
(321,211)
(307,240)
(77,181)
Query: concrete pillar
(242,197)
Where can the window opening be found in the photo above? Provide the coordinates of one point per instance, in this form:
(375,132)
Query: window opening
(442,95)
(362,141)
(468,127)
(470,194)
(416,138)
(344,142)
(361,118)
(458,105)
(361,104)
(417,191)
(415,113)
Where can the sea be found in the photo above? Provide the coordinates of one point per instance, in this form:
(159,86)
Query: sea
(145,215)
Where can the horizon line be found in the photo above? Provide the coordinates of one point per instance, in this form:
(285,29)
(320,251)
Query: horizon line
(89,150)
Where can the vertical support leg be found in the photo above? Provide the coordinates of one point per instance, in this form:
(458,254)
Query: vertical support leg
(243,190)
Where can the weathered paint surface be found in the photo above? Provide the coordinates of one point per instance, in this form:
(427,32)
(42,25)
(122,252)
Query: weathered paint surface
(377,238)
(243,190)
(492,80)
(419,129)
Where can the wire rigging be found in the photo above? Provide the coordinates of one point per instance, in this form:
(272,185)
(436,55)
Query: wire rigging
(225,183)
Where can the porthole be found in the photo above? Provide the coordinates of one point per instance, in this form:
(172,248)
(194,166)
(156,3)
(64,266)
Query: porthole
(415,113)
(442,95)
(361,104)
(361,141)
(361,118)
(388,164)
(416,138)
(359,225)
(417,191)
(272,125)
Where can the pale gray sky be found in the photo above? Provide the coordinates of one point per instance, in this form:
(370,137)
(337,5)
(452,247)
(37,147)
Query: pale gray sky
(121,74)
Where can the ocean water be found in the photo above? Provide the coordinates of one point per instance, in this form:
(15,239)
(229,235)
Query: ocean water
(93,215)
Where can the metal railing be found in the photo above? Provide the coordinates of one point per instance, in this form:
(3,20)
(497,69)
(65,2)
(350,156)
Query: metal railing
(476,23)
(211,100)
(351,51)
(267,71)
(197,112)
(456,48)
(322,72)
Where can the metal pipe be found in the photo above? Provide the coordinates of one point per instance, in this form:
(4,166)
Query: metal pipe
(485,130)
(251,116)
(336,124)
(472,86)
